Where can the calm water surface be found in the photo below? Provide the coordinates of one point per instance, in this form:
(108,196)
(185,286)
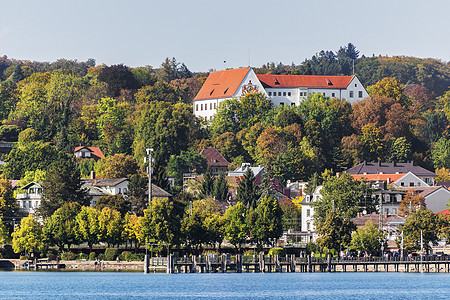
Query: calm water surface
(110,285)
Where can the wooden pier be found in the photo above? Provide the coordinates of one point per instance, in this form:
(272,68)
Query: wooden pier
(289,263)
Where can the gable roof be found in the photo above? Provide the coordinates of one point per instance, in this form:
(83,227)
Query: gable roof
(445,212)
(213,157)
(310,81)
(222,84)
(104,182)
(366,168)
(94,150)
(424,191)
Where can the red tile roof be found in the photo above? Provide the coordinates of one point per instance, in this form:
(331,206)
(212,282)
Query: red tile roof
(94,150)
(310,81)
(378,177)
(444,212)
(214,158)
(222,84)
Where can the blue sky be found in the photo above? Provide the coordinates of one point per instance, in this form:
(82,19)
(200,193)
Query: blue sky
(204,34)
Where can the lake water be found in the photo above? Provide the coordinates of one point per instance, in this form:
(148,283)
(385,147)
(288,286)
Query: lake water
(116,285)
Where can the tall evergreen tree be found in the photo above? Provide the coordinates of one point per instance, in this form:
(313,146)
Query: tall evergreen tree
(208,183)
(62,185)
(220,188)
(247,192)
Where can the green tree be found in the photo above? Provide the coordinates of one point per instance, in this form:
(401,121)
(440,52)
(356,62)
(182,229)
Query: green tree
(220,190)
(115,202)
(399,149)
(389,87)
(60,228)
(160,91)
(62,185)
(207,187)
(27,136)
(268,225)
(118,77)
(3,232)
(335,231)
(88,227)
(440,153)
(116,166)
(247,191)
(186,161)
(425,221)
(343,195)
(236,229)
(215,231)
(110,225)
(371,142)
(161,223)
(8,204)
(132,230)
(28,236)
(369,238)
(137,193)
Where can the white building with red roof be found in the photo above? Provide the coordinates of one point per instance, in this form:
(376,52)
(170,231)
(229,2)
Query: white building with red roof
(280,89)
(88,152)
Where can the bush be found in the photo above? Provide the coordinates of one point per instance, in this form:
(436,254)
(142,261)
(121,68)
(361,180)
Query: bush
(277,251)
(92,256)
(82,255)
(101,256)
(68,256)
(7,252)
(111,253)
(137,257)
(23,257)
(126,256)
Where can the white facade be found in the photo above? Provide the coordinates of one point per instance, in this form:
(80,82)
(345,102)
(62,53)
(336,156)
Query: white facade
(293,96)
(283,95)
(206,108)
(29,199)
(308,210)
(411,180)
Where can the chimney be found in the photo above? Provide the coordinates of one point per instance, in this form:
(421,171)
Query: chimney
(92,174)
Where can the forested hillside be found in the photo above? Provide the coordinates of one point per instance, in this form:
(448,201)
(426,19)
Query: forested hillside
(47,108)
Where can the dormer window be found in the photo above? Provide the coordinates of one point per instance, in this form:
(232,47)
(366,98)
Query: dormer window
(276,81)
(225,91)
(329,82)
(211,92)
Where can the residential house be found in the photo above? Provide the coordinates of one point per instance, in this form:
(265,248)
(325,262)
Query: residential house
(287,90)
(368,168)
(29,198)
(104,187)
(215,160)
(436,197)
(88,152)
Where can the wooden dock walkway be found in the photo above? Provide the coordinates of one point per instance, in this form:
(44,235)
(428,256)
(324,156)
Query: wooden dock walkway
(290,263)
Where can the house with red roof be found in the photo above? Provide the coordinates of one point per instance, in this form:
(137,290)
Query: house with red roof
(280,89)
(216,160)
(88,152)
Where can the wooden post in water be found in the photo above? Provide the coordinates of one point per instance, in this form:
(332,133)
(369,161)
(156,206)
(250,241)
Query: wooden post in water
(329,262)
(224,263)
(146,263)
(261,263)
(238,263)
(309,263)
(293,266)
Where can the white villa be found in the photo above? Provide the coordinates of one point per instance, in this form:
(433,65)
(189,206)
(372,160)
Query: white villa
(280,89)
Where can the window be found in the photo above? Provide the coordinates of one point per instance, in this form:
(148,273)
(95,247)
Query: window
(333,95)
(284,93)
(411,184)
(308,226)
(214,106)
(196,107)
(210,106)
(206,106)
(292,104)
(356,85)
(300,94)
(282,103)
(351,94)
(308,212)
(289,93)
(394,211)
(279,93)
(120,190)
(323,94)
(201,106)
(402,184)
(360,94)
(270,93)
